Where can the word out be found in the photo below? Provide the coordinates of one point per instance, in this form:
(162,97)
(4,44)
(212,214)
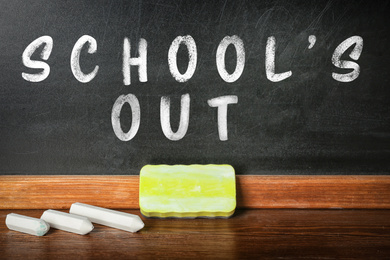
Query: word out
(221,103)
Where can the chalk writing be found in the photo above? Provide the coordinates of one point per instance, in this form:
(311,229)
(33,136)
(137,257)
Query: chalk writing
(221,103)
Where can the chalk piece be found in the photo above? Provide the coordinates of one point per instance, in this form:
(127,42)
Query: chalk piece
(187,191)
(67,222)
(108,217)
(29,225)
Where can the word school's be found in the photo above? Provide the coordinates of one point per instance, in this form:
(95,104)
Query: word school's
(221,103)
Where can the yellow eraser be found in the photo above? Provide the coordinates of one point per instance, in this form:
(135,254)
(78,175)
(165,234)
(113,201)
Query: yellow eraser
(187,191)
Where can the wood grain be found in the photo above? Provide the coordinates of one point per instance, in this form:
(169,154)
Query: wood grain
(347,192)
(253,191)
(249,234)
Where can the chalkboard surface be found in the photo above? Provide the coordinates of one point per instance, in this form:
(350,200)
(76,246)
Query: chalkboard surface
(270,87)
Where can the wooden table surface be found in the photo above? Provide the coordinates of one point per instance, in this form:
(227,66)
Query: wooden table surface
(249,234)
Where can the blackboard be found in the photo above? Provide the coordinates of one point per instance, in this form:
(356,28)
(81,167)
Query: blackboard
(305,83)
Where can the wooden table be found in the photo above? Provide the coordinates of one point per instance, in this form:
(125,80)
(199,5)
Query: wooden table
(249,234)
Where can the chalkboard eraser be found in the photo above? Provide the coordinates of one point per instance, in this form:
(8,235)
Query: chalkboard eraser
(187,191)
(28,225)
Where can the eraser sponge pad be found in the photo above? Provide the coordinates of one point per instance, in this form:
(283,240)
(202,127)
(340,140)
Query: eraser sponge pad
(187,191)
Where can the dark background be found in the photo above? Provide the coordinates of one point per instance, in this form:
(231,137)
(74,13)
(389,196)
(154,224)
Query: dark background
(306,124)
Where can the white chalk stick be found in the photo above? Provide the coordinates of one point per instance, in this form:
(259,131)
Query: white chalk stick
(67,222)
(108,217)
(29,225)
